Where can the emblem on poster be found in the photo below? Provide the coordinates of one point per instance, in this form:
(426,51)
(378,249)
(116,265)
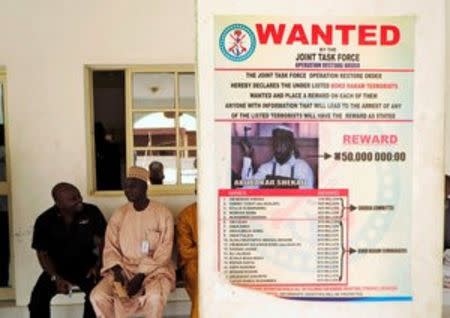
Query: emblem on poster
(237,42)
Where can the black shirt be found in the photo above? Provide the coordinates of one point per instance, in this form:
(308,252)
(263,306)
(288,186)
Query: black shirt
(70,247)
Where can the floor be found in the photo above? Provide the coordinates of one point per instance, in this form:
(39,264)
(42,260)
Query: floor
(173,310)
(446,312)
(8,310)
(178,306)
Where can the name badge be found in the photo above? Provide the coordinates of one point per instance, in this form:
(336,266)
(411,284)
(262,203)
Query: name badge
(145,247)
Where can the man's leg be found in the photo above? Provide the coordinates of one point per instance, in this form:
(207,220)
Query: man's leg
(102,298)
(190,271)
(156,292)
(86,285)
(42,293)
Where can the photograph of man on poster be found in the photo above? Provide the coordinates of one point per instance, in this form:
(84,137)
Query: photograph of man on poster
(275,155)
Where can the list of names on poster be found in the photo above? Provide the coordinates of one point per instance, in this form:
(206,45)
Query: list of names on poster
(261,233)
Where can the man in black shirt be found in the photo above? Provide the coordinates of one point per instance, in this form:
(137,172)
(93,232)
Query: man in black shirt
(68,239)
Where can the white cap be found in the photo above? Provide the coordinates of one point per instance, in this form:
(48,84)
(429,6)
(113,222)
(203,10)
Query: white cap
(282,127)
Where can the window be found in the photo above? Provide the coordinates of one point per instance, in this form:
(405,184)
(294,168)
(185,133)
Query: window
(141,115)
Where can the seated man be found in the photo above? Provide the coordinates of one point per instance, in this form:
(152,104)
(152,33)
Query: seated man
(68,238)
(284,170)
(138,273)
(187,239)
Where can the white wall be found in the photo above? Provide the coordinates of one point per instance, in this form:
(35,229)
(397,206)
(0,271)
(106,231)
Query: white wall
(447,86)
(44,46)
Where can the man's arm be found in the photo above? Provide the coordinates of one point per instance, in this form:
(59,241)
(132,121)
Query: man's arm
(187,247)
(47,265)
(257,178)
(94,272)
(247,154)
(41,243)
(247,168)
(99,228)
(112,256)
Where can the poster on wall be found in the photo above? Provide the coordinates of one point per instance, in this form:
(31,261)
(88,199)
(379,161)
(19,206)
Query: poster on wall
(314,168)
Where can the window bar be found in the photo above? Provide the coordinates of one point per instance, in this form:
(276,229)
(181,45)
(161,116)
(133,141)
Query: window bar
(92,146)
(129,119)
(177,127)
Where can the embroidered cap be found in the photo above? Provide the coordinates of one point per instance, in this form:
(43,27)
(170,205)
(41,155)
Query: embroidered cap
(138,173)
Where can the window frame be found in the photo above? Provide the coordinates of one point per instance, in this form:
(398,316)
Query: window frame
(129,70)
(7,293)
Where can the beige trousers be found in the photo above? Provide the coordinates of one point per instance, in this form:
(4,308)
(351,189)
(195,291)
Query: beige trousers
(150,303)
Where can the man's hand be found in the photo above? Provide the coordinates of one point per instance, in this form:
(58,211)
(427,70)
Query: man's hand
(62,285)
(135,284)
(118,275)
(93,274)
(246,148)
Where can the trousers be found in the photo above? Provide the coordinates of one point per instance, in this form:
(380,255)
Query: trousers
(45,290)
